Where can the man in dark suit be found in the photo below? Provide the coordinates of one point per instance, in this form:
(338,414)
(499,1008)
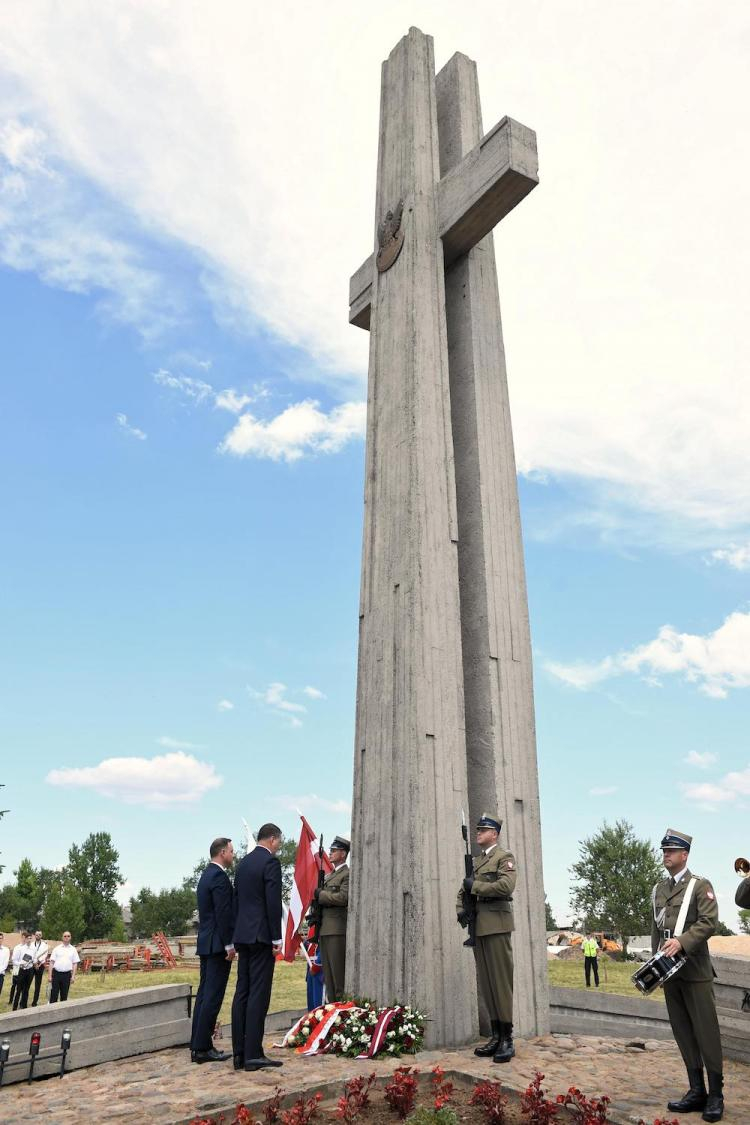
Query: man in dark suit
(257,938)
(215,949)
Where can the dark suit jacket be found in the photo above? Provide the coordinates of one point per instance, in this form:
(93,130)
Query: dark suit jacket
(257,898)
(742,897)
(215,916)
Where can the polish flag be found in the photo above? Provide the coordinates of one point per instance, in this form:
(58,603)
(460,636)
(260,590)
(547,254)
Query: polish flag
(306,866)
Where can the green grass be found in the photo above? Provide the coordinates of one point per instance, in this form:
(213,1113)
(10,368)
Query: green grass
(288,985)
(569,974)
(289,982)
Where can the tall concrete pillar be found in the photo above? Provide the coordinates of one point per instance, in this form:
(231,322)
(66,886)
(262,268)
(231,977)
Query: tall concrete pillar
(410,763)
(445,715)
(496,643)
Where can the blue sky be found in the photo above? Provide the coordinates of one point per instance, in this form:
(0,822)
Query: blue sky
(181,419)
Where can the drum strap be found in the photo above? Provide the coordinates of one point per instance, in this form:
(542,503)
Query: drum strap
(680,924)
(681,917)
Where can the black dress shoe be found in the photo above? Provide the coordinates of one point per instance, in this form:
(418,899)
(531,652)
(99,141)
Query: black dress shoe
(261,1064)
(211,1055)
(695,1099)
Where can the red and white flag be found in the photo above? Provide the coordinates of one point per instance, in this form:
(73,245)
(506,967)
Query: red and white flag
(306,867)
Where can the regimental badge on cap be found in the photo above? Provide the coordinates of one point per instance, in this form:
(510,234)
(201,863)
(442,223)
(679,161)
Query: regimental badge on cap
(676,840)
(487,821)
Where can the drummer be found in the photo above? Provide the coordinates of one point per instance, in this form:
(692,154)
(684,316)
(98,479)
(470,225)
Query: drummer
(689,993)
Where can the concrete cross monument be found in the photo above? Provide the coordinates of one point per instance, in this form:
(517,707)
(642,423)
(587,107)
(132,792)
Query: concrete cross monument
(445,714)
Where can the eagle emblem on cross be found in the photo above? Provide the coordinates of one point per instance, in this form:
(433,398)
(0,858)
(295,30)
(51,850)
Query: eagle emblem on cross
(390,238)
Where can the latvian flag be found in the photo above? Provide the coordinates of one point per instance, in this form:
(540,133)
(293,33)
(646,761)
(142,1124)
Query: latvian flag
(306,864)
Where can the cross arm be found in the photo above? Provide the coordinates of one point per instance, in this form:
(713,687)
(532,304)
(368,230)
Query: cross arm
(472,199)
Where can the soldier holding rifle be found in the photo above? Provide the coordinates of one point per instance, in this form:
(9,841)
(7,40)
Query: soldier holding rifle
(333,899)
(489,890)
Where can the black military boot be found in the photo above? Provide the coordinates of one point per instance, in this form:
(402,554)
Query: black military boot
(492,1043)
(714,1110)
(505,1050)
(695,1098)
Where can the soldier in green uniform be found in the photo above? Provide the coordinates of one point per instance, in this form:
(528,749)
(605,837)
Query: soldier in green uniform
(492,885)
(333,897)
(689,994)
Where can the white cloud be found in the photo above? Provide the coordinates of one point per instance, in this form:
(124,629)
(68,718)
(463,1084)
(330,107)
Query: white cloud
(717,662)
(274,697)
(629,385)
(196,389)
(734,787)
(702,761)
(736,555)
(313,692)
(312,802)
(49,226)
(125,426)
(225,705)
(300,429)
(232,401)
(168,779)
(602,790)
(176,743)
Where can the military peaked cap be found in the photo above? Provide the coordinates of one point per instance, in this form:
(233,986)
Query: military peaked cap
(340,842)
(487,821)
(679,841)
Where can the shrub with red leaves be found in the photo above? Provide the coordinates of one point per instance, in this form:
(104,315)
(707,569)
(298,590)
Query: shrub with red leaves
(272,1108)
(535,1103)
(401,1092)
(442,1091)
(586,1111)
(490,1096)
(303,1111)
(355,1099)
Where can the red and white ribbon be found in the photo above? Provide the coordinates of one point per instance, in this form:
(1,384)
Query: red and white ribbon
(379,1032)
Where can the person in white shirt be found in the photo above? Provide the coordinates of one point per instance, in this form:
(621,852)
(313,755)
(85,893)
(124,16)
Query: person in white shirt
(62,961)
(23,957)
(40,949)
(15,965)
(4,959)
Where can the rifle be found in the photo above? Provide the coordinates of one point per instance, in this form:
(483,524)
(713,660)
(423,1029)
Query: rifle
(468,901)
(315,917)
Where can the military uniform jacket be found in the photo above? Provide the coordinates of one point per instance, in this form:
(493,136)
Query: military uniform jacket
(494,883)
(334,898)
(742,897)
(700,923)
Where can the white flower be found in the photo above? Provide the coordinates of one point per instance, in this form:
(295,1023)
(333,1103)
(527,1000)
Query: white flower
(390,1035)
(348,1042)
(318,1014)
(364,1038)
(391,1047)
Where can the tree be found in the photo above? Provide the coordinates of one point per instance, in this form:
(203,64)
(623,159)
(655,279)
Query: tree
(2,814)
(63,910)
(29,895)
(549,918)
(744,921)
(93,869)
(723,931)
(170,911)
(615,874)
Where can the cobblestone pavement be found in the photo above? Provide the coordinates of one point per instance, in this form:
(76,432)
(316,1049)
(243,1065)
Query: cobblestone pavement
(165,1087)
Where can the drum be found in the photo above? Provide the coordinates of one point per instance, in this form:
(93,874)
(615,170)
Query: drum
(656,970)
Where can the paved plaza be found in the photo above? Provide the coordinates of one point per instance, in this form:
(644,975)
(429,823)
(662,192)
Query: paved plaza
(165,1088)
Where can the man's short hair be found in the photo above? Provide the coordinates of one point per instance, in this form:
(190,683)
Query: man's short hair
(267,830)
(218,845)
